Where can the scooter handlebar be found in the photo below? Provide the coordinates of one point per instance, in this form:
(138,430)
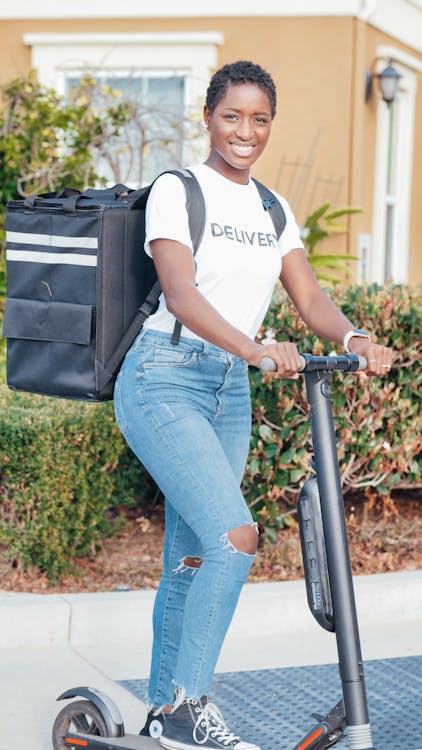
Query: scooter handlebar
(311,363)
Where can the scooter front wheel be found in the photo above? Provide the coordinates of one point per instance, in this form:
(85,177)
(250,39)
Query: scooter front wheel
(78,716)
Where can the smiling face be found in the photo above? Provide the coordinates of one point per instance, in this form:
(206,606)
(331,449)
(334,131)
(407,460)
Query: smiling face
(239,128)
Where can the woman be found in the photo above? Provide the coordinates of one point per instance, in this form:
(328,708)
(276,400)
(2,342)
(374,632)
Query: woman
(185,409)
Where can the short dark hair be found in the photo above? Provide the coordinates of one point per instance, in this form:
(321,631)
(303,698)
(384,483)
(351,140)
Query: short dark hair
(242,71)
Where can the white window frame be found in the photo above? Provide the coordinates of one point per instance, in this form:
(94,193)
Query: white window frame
(191,55)
(406,65)
(195,53)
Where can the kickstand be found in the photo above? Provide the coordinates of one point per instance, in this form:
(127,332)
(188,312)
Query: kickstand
(328,731)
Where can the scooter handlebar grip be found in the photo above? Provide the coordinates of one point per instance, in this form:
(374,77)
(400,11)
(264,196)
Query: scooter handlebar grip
(268,365)
(302,363)
(362,363)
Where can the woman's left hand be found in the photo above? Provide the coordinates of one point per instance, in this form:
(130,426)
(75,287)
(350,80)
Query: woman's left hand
(379,358)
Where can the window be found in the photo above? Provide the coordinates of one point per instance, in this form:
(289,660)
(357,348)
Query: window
(163,74)
(152,140)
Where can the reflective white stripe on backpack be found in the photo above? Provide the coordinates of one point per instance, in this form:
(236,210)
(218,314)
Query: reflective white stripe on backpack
(33,256)
(52,240)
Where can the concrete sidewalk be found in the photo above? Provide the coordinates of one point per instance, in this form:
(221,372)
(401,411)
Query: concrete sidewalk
(50,643)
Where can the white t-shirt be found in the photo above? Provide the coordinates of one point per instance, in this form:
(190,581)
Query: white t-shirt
(238,261)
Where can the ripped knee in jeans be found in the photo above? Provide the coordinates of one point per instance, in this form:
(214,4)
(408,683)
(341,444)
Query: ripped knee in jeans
(242,539)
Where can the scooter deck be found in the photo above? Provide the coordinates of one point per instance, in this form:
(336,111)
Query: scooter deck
(128,742)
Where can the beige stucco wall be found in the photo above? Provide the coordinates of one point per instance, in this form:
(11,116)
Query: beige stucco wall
(322,120)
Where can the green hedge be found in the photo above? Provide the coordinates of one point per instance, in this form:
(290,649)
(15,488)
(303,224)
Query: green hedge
(378,420)
(65,469)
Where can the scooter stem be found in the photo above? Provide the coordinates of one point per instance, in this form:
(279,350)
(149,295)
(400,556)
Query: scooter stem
(338,560)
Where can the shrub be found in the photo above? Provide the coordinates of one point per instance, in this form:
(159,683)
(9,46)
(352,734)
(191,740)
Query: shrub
(63,465)
(47,140)
(378,421)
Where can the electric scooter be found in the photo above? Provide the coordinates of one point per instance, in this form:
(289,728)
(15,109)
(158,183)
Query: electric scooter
(96,722)
(326,559)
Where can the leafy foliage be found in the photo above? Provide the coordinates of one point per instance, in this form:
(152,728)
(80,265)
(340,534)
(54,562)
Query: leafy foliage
(47,141)
(378,420)
(63,467)
(322,223)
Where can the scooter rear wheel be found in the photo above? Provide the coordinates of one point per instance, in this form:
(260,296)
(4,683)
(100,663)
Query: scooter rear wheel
(78,716)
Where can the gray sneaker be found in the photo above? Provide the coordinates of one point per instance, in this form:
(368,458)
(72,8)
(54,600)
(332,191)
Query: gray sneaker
(195,724)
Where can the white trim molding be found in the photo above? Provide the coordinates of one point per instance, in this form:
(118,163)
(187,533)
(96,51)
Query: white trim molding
(400,150)
(400,19)
(387,52)
(193,53)
(151,37)
(180,9)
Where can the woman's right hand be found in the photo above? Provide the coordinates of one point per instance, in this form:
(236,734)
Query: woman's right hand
(285,355)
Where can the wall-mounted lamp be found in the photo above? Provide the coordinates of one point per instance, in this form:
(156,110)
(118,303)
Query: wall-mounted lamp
(388,81)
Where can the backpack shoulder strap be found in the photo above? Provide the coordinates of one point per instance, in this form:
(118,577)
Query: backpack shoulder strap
(273,205)
(196,210)
(195,202)
(195,205)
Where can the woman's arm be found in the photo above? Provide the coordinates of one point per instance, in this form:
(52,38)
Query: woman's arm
(322,315)
(314,307)
(176,272)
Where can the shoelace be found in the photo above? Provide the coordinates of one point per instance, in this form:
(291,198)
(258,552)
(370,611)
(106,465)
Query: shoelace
(153,710)
(212,723)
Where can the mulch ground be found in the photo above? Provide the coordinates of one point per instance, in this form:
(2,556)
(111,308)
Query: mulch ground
(383,537)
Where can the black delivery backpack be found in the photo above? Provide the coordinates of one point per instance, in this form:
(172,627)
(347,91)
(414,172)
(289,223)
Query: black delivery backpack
(80,286)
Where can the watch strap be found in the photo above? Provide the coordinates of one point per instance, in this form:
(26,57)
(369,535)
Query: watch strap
(350,334)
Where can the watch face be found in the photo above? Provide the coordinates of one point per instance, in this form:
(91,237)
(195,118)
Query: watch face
(361,332)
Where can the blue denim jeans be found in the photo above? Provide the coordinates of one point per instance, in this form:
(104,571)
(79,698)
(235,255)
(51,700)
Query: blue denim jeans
(185,412)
